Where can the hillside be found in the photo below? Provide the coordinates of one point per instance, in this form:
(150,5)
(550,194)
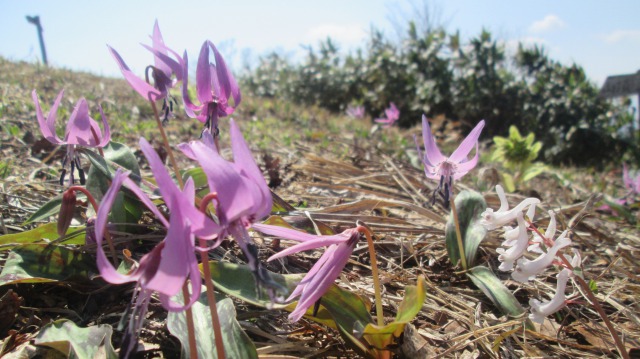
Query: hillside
(330,171)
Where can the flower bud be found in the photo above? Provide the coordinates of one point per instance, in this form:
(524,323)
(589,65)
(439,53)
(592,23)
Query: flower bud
(66,211)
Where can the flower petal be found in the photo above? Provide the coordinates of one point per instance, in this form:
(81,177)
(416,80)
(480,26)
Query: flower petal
(48,126)
(145,90)
(465,147)
(432,153)
(203,75)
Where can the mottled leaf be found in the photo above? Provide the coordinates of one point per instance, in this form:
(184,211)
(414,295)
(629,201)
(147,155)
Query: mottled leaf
(236,342)
(41,263)
(470,205)
(45,233)
(497,292)
(76,342)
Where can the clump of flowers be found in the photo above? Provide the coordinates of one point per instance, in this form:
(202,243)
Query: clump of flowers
(527,238)
(355,111)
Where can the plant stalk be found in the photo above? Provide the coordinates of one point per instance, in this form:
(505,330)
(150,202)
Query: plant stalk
(191,329)
(374,273)
(165,141)
(456,221)
(211,295)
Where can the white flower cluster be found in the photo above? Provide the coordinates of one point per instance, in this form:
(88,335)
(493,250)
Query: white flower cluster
(517,243)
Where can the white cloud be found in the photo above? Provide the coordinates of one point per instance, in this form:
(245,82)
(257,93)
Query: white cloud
(549,23)
(621,35)
(342,34)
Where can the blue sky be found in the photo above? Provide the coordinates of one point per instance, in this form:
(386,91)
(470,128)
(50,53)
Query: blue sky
(603,37)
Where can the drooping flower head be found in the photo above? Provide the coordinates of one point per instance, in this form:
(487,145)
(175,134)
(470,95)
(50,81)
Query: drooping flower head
(166,72)
(243,196)
(215,87)
(447,169)
(392,114)
(355,111)
(324,273)
(81,130)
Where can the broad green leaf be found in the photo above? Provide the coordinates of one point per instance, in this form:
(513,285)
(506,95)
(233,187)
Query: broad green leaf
(42,263)
(237,343)
(76,342)
(497,292)
(238,281)
(470,205)
(385,337)
(45,233)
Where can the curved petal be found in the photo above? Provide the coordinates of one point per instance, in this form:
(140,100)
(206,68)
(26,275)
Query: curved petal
(107,271)
(145,90)
(222,74)
(189,106)
(203,75)
(308,245)
(290,233)
(106,137)
(80,125)
(243,158)
(158,44)
(432,152)
(48,126)
(467,166)
(465,147)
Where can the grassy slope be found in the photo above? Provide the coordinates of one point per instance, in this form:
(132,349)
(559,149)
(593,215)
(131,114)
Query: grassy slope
(326,160)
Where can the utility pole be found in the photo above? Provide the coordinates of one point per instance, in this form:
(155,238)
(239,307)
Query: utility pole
(36,21)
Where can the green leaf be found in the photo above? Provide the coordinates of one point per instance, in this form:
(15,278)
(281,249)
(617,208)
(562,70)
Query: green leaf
(237,343)
(237,281)
(497,292)
(385,336)
(533,170)
(508,182)
(42,263)
(75,342)
(51,208)
(45,233)
(470,205)
(116,155)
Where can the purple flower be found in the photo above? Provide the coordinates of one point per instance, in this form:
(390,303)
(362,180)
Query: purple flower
(631,181)
(168,266)
(355,111)
(166,72)
(81,130)
(392,114)
(215,86)
(243,196)
(447,169)
(324,273)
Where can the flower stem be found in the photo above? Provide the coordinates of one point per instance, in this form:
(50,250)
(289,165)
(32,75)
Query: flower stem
(165,141)
(211,295)
(374,273)
(94,204)
(191,329)
(456,221)
(596,305)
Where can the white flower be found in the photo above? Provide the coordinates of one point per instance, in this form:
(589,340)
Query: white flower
(540,310)
(527,269)
(492,220)
(549,233)
(509,256)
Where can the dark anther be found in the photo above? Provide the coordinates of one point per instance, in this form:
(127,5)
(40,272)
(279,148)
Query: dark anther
(316,307)
(62,174)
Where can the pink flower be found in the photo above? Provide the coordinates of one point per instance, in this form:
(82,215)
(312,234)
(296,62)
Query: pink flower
(324,273)
(447,169)
(243,196)
(215,86)
(392,115)
(81,130)
(166,71)
(355,111)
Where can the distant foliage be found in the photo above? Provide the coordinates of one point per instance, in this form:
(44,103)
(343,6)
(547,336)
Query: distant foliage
(432,72)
